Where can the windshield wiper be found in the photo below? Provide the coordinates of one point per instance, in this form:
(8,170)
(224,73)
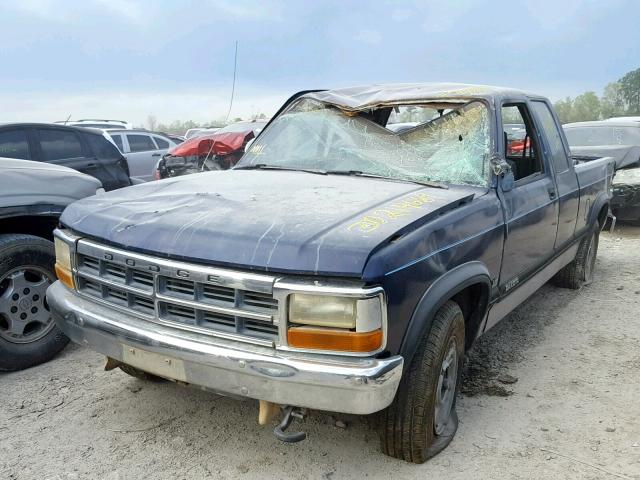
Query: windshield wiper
(358,173)
(264,166)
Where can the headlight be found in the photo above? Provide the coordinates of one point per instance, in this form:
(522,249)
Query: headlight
(63,262)
(322,310)
(333,322)
(63,254)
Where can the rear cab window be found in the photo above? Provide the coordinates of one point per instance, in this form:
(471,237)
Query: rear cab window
(59,144)
(15,144)
(140,143)
(551,131)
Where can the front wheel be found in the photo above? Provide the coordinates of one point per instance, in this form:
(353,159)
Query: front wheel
(422,419)
(28,334)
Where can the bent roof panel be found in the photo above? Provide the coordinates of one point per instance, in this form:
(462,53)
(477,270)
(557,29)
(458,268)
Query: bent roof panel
(368,96)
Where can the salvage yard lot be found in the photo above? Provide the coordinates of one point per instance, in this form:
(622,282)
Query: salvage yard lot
(574,411)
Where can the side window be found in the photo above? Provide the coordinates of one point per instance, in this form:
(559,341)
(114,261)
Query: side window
(162,144)
(59,144)
(551,132)
(140,143)
(118,141)
(102,148)
(14,144)
(521,148)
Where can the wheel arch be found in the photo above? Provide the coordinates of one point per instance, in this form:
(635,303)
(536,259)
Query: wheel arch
(599,210)
(38,225)
(469,285)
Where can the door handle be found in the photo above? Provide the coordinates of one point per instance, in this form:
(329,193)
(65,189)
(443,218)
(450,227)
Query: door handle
(552,194)
(155,155)
(91,165)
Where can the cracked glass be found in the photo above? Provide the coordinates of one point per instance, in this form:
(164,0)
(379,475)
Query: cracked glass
(451,148)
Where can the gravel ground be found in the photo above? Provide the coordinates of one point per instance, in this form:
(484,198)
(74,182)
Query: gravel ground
(551,392)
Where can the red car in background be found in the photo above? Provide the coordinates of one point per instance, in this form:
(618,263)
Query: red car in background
(220,150)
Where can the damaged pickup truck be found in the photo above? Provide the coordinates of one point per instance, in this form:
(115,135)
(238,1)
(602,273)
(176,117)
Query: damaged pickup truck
(339,266)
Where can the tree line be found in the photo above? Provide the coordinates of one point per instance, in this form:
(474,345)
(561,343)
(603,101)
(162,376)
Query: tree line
(619,98)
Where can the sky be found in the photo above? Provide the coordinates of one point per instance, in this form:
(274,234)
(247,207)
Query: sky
(123,59)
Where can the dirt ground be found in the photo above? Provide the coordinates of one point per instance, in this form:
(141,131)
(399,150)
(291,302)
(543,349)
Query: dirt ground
(573,411)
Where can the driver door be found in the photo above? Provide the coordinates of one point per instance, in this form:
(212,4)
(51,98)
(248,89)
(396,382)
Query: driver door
(531,207)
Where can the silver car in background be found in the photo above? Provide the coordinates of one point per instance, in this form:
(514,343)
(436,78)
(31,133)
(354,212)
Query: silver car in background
(142,149)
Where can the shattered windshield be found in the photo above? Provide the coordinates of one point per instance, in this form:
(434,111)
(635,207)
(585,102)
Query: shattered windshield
(452,148)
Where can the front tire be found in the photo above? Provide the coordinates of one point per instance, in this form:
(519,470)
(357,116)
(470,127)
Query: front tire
(28,334)
(422,419)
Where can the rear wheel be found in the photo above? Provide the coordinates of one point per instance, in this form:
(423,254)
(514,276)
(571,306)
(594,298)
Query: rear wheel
(28,334)
(422,419)
(580,271)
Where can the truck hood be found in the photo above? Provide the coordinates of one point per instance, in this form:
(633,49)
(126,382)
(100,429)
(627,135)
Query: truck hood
(262,220)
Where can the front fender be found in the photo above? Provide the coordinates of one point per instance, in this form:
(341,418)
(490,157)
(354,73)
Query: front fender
(441,290)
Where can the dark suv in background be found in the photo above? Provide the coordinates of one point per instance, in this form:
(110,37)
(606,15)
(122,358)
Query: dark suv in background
(80,149)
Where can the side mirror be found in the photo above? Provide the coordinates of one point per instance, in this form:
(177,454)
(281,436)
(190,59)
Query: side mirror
(507,181)
(502,170)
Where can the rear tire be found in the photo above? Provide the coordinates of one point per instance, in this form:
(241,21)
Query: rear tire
(140,374)
(422,419)
(580,271)
(28,334)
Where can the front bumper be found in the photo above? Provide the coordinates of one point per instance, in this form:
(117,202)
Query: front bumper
(334,383)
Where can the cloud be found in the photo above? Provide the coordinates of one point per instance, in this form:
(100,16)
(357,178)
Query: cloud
(42,9)
(240,9)
(67,12)
(401,14)
(371,37)
(126,9)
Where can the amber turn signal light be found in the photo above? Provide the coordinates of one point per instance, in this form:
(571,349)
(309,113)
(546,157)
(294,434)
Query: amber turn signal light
(334,339)
(64,276)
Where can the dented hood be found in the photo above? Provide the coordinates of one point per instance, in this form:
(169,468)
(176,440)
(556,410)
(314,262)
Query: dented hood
(262,220)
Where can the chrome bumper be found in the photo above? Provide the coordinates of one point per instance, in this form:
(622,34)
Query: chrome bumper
(340,384)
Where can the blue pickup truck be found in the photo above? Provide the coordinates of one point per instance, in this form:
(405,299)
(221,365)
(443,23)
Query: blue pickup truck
(341,265)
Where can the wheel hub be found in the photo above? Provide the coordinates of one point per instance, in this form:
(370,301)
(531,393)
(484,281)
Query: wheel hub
(24,313)
(25,303)
(446,388)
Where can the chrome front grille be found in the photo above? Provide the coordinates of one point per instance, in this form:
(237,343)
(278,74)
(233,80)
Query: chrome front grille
(210,300)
